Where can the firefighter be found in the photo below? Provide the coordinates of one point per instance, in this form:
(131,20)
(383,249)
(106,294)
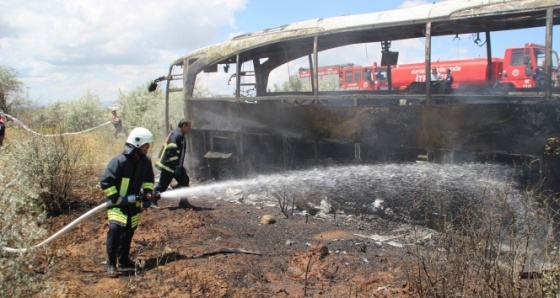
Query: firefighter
(539,76)
(170,161)
(448,80)
(117,123)
(128,184)
(435,76)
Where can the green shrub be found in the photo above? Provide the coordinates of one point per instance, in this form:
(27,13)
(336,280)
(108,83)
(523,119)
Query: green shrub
(84,113)
(20,210)
(57,166)
(142,108)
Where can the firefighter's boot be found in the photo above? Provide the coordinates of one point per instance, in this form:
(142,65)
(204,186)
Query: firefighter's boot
(111,267)
(125,263)
(185,204)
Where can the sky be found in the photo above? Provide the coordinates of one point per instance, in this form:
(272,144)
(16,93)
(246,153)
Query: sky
(63,49)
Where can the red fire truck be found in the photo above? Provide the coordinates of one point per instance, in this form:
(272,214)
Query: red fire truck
(353,77)
(512,72)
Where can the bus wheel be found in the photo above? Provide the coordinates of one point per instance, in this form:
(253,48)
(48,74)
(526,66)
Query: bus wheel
(225,173)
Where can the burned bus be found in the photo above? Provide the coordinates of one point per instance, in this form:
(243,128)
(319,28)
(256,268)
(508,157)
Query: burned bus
(252,113)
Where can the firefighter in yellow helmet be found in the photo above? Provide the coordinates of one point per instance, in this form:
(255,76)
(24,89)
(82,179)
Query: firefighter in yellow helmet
(128,184)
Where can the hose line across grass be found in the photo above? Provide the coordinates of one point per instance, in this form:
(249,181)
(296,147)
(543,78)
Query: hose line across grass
(53,135)
(57,234)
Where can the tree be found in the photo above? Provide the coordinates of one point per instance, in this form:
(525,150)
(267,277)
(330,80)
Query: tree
(296,84)
(147,109)
(10,89)
(83,113)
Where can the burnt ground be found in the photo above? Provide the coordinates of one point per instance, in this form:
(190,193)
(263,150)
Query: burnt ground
(220,249)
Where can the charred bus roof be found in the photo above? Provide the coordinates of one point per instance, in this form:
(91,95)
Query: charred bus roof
(447,17)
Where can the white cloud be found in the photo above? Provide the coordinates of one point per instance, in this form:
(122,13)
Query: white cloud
(63,48)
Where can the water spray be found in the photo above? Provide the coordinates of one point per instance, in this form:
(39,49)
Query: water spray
(364,184)
(360,185)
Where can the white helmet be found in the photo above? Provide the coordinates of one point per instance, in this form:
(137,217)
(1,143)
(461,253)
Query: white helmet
(139,136)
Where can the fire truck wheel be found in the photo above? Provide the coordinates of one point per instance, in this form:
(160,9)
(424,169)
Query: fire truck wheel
(504,88)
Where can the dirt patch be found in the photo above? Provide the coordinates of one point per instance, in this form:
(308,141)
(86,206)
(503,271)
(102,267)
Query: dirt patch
(220,249)
(334,235)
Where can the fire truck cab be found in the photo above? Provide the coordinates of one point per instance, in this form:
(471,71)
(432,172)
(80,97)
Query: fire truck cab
(371,78)
(519,67)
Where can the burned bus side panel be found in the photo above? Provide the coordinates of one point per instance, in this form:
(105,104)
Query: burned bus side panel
(257,137)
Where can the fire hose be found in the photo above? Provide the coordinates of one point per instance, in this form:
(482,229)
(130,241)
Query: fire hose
(59,233)
(62,231)
(53,135)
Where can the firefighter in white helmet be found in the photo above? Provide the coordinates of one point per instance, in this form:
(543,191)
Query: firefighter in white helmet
(128,184)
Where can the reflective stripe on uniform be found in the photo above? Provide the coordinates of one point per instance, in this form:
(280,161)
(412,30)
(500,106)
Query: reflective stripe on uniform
(135,220)
(161,165)
(110,191)
(124,186)
(148,185)
(163,154)
(116,215)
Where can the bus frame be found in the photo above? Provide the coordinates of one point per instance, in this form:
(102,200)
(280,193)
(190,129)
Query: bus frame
(240,136)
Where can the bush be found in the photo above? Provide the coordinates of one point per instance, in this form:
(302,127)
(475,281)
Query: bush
(57,164)
(84,113)
(21,213)
(498,248)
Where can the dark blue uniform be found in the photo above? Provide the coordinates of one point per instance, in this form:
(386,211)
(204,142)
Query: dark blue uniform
(125,175)
(170,162)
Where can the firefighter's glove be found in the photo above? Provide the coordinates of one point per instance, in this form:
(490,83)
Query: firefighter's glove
(177,171)
(146,204)
(123,201)
(153,199)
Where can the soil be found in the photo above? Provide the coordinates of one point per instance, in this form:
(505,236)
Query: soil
(221,249)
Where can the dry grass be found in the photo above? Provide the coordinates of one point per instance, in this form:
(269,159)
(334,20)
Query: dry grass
(501,248)
(43,175)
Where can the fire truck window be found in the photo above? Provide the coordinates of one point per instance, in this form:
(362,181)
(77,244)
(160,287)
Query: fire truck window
(357,76)
(554,60)
(517,57)
(381,76)
(540,56)
(348,76)
(367,75)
